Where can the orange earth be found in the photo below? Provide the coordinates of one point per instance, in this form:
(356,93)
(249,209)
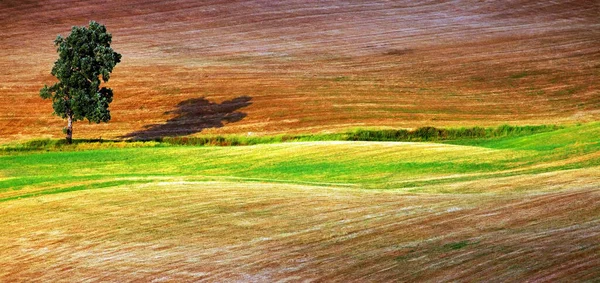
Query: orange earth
(310,66)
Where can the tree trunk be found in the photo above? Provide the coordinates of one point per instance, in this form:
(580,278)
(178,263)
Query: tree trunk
(69,132)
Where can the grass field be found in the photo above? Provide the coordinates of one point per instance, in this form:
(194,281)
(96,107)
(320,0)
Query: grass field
(512,208)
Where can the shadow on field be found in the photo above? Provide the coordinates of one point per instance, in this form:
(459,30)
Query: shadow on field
(193,116)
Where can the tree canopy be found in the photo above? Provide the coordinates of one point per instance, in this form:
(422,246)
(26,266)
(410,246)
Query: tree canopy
(85,58)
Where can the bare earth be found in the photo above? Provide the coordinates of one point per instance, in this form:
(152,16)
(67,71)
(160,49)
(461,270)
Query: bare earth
(312,66)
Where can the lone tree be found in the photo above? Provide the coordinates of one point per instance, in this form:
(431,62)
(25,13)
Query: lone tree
(83,57)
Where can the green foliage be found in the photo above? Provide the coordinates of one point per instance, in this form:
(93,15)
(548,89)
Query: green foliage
(456,245)
(420,134)
(441,134)
(84,57)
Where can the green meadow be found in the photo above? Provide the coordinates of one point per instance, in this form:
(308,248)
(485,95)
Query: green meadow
(360,164)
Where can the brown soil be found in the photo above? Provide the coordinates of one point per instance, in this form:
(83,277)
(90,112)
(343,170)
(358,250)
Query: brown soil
(311,66)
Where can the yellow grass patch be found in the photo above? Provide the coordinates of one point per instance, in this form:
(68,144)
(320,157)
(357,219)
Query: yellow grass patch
(586,178)
(258,231)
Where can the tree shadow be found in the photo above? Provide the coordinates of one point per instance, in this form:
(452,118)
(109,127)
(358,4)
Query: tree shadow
(193,116)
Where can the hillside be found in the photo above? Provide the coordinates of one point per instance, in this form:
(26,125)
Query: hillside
(507,209)
(310,66)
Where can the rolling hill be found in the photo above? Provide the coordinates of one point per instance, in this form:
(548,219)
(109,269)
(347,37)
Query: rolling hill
(517,208)
(312,66)
(327,186)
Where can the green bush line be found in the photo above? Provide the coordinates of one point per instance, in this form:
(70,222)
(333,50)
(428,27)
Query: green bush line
(440,134)
(417,135)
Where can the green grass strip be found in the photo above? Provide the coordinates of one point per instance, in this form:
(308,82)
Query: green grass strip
(430,134)
(74,188)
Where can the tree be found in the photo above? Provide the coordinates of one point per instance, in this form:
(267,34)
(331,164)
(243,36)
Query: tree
(84,57)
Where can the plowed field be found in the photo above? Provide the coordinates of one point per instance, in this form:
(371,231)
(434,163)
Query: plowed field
(311,66)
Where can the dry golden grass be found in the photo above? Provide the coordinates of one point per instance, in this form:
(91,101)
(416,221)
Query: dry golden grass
(314,66)
(222,231)
(526,183)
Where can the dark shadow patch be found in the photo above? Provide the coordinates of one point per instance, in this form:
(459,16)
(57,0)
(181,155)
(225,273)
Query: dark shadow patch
(399,52)
(193,116)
